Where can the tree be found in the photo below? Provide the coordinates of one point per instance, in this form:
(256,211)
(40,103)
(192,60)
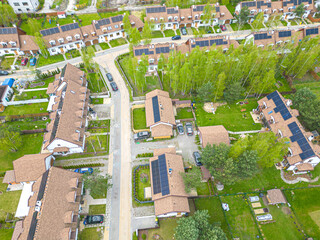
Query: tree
(146,33)
(206,92)
(134,36)
(126,23)
(207,13)
(233,92)
(192,179)
(247,164)
(258,21)
(10,139)
(302,98)
(299,10)
(214,233)
(7,15)
(42,45)
(35,26)
(219,86)
(87,55)
(187,229)
(243,16)
(225,2)
(96,182)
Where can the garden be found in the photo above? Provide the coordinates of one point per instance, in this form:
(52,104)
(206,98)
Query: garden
(99,126)
(91,233)
(97,143)
(97,209)
(97,101)
(184,113)
(25,109)
(40,83)
(6,63)
(42,61)
(95,83)
(72,54)
(140,180)
(169,33)
(156,34)
(28,124)
(308,81)
(117,42)
(139,118)
(31,95)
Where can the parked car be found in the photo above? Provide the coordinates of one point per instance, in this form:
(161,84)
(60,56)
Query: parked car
(114,86)
(2,73)
(141,135)
(183,31)
(209,31)
(197,158)
(223,27)
(189,129)
(177,37)
(93,219)
(84,170)
(109,76)
(180,128)
(24,62)
(33,61)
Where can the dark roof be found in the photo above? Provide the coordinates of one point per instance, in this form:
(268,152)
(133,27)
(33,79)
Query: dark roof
(280,106)
(156,111)
(312,31)
(160,176)
(11,30)
(50,31)
(156,9)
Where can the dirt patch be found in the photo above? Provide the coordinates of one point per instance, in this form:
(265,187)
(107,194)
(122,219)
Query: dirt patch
(315,217)
(289,176)
(286,210)
(209,106)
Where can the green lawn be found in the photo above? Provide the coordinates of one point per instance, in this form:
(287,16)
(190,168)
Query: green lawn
(28,125)
(203,189)
(97,143)
(31,95)
(63,21)
(178,32)
(156,34)
(31,144)
(86,19)
(45,81)
(118,42)
(99,123)
(73,53)
(6,63)
(183,113)
(139,118)
(111,14)
(41,61)
(97,101)
(213,205)
(169,33)
(240,218)
(235,26)
(6,234)
(97,209)
(231,7)
(293,22)
(96,84)
(101,195)
(281,85)
(230,116)
(305,203)
(194,31)
(25,109)
(143,182)
(309,82)
(284,23)
(166,230)
(104,46)
(91,233)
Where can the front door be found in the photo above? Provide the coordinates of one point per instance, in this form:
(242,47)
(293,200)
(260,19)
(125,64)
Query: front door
(106,38)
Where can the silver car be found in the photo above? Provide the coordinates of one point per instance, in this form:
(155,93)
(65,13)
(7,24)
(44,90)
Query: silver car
(189,129)
(141,136)
(180,129)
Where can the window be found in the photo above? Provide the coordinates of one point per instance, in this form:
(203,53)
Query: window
(19,10)
(116,26)
(17,5)
(111,35)
(169,25)
(25,4)
(28,9)
(109,28)
(118,33)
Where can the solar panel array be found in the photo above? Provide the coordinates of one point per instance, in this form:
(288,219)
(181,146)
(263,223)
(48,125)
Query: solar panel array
(204,43)
(312,31)
(249,4)
(162,50)
(262,3)
(217,9)
(146,51)
(160,176)
(102,22)
(172,11)
(280,106)
(261,36)
(297,136)
(296,2)
(8,30)
(198,8)
(156,110)
(285,34)
(69,27)
(155,177)
(117,19)
(218,42)
(156,9)
(49,31)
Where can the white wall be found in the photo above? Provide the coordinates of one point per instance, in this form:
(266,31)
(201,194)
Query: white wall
(24,6)
(172,214)
(7,51)
(111,36)
(5,95)
(62,143)
(66,47)
(48,161)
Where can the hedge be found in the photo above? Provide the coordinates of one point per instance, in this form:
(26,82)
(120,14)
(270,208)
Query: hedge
(84,165)
(140,155)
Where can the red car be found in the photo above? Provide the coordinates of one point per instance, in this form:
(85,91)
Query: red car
(24,62)
(223,27)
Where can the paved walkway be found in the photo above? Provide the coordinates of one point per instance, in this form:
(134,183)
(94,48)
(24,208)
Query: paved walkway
(299,179)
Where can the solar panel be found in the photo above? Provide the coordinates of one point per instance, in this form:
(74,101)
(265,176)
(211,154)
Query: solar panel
(312,31)
(155,177)
(69,27)
(117,19)
(217,9)
(8,30)
(156,111)
(162,50)
(172,11)
(285,34)
(198,8)
(156,9)
(280,106)
(163,175)
(50,31)
(261,36)
(249,4)
(146,51)
(306,154)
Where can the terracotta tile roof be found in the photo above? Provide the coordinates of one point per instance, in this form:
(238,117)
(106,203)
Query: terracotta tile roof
(161,130)
(61,149)
(136,22)
(89,32)
(27,43)
(171,204)
(214,135)
(11,36)
(224,13)
(30,167)
(9,177)
(275,196)
(160,151)
(18,228)
(305,167)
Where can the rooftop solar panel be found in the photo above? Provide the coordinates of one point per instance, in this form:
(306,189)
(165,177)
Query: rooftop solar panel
(172,11)
(155,177)
(285,34)
(8,30)
(146,51)
(156,110)
(156,9)
(117,19)
(218,42)
(312,31)
(69,27)
(50,31)
(306,154)
(217,9)
(198,8)
(163,175)
(162,50)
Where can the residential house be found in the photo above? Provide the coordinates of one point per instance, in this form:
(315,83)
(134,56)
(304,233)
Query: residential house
(213,135)
(69,98)
(287,36)
(277,115)
(223,42)
(311,32)
(168,189)
(24,6)
(54,206)
(263,39)
(159,114)
(275,196)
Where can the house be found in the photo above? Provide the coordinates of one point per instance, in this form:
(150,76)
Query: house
(6,93)
(277,116)
(213,135)
(61,14)
(275,196)
(311,32)
(68,106)
(263,39)
(159,114)
(24,6)
(223,42)
(288,36)
(168,190)
(54,206)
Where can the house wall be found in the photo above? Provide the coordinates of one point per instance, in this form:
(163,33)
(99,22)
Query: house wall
(8,51)
(48,162)
(62,143)
(24,6)
(171,214)
(5,98)
(112,36)
(66,47)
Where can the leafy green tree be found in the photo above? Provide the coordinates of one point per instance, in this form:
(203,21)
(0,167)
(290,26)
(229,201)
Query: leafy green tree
(206,92)
(42,44)
(192,179)
(126,23)
(219,86)
(187,229)
(247,164)
(146,33)
(96,182)
(201,218)
(299,11)
(258,21)
(243,16)
(134,36)
(224,2)
(10,138)
(207,13)
(303,97)
(35,26)
(214,233)
(7,14)
(87,55)
(233,92)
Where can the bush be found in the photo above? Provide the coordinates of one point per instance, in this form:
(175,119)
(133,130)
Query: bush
(84,165)
(144,236)
(134,236)
(141,155)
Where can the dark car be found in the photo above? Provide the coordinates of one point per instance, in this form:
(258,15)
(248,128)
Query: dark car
(141,135)
(3,73)
(24,62)
(93,219)
(177,37)
(114,86)
(109,76)
(84,170)
(223,27)
(183,31)
(197,158)
(189,129)
(180,129)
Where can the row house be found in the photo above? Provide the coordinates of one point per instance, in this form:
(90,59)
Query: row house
(277,115)
(268,7)
(24,6)
(68,107)
(173,17)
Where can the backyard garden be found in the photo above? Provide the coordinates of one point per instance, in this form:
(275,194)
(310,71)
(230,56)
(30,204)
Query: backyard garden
(99,126)
(184,113)
(97,143)
(139,118)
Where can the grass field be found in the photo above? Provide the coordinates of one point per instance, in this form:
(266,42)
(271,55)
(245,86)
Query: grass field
(6,63)
(97,143)
(309,82)
(143,182)
(139,118)
(6,234)
(63,21)
(117,42)
(156,34)
(97,209)
(31,95)
(111,14)
(184,113)
(86,19)
(102,194)
(230,116)
(8,201)
(104,46)
(46,83)
(25,109)
(166,230)
(28,125)
(203,189)
(97,101)
(235,27)
(169,33)
(42,61)
(96,84)
(91,233)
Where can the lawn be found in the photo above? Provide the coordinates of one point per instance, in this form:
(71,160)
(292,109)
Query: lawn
(73,53)
(6,234)
(31,95)
(86,19)
(143,182)
(281,85)
(28,125)
(91,233)
(97,101)
(96,84)
(97,143)
(309,82)
(184,113)
(217,29)
(305,203)
(99,123)
(293,22)
(284,23)
(169,33)
(156,34)
(41,61)
(31,144)
(203,189)
(240,218)
(104,46)
(230,116)
(166,230)
(25,109)
(213,205)
(178,32)
(194,31)
(235,27)
(97,209)
(111,14)
(101,195)
(45,81)
(63,21)
(139,118)
(6,63)
(118,42)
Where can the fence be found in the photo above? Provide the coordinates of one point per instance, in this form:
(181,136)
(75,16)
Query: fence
(28,101)
(134,184)
(124,75)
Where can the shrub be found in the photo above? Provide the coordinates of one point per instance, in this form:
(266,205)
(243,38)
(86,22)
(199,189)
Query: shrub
(84,165)
(134,236)
(141,155)
(144,236)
